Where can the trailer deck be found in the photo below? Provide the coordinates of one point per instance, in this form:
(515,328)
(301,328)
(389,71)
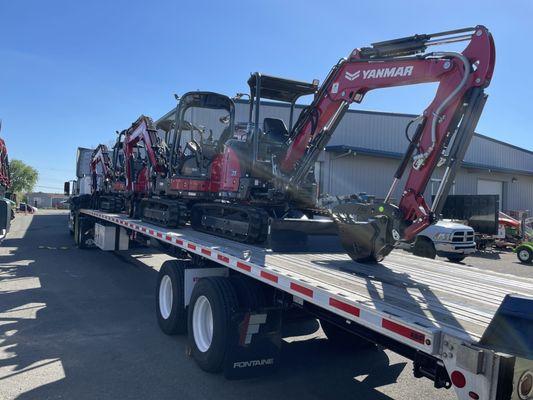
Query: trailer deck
(408,298)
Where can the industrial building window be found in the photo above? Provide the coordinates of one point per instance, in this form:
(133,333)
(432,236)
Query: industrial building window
(319,175)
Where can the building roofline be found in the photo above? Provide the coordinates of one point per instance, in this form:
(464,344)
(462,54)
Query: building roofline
(397,156)
(367,112)
(390,114)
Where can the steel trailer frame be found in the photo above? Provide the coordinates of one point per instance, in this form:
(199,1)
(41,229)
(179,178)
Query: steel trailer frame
(418,308)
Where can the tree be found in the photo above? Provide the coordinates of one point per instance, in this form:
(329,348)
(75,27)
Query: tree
(23,177)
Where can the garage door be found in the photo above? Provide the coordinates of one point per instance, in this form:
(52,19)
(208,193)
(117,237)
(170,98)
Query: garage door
(490,187)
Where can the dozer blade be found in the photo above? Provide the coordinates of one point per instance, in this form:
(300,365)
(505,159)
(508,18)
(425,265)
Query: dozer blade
(368,232)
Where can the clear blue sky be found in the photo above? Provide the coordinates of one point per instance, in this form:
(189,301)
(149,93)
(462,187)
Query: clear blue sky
(73,72)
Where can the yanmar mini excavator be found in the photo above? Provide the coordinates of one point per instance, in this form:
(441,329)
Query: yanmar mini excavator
(249,181)
(107,186)
(120,181)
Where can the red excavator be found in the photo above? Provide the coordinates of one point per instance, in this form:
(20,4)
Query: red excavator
(145,159)
(108,186)
(246,182)
(121,180)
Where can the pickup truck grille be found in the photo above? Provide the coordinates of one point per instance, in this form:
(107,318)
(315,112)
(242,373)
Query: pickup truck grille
(463,236)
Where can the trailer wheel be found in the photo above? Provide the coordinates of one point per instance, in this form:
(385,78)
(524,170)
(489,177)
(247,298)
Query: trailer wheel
(212,304)
(424,248)
(524,254)
(170,299)
(341,338)
(82,233)
(249,293)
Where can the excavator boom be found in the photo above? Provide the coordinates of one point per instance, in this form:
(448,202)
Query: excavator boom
(442,136)
(142,130)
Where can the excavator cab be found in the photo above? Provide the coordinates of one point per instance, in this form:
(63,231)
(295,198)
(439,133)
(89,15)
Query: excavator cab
(204,121)
(272,131)
(270,136)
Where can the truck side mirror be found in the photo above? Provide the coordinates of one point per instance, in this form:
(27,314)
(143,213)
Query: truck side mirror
(66,188)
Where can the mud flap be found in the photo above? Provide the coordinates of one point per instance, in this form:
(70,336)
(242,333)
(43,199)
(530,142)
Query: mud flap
(255,344)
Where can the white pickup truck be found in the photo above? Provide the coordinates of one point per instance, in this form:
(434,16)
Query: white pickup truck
(445,239)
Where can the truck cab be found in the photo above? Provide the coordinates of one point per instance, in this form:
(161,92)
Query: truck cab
(446,238)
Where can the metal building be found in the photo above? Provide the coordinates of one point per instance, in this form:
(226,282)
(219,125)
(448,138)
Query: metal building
(45,200)
(367,146)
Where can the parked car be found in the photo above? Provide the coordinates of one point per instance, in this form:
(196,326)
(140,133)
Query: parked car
(444,239)
(27,208)
(63,205)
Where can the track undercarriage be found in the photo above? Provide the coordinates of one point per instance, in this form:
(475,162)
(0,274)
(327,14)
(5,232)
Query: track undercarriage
(110,203)
(169,213)
(246,224)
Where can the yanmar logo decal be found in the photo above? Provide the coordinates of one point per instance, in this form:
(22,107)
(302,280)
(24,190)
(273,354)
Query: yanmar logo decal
(353,76)
(392,72)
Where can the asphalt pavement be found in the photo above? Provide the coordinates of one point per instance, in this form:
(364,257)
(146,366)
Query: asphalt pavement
(80,324)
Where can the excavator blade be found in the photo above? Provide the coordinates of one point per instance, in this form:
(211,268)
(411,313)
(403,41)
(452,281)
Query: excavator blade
(368,232)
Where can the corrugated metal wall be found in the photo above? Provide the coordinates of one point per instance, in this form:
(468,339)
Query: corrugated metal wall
(373,175)
(386,132)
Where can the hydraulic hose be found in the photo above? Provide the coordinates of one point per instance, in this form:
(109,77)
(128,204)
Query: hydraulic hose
(447,100)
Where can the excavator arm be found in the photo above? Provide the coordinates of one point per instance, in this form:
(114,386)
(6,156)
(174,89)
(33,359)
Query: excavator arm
(441,138)
(143,130)
(100,157)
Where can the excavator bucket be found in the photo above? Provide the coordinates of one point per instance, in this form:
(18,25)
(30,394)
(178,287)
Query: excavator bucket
(368,232)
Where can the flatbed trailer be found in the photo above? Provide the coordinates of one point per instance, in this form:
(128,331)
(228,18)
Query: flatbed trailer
(464,328)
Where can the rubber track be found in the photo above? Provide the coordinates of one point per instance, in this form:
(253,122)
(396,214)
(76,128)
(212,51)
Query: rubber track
(177,212)
(257,222)
(110,203)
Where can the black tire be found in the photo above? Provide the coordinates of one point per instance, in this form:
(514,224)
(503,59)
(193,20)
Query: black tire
(222,299)
(342,339)
(249,294)
(175,322)
(456,259)
(524,254)
(424,248)
(82,226)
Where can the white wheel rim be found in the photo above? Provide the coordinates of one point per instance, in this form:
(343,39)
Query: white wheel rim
(165,296)
(202,323)
(523,255)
